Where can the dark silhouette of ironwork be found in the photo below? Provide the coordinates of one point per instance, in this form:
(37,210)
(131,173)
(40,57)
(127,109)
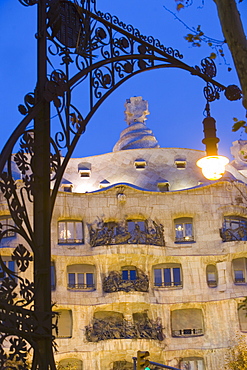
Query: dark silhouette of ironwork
(79,49)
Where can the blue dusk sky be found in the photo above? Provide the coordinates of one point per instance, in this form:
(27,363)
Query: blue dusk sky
(176,101)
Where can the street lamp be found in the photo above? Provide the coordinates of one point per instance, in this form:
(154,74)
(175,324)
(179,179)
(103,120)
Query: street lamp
(213,165)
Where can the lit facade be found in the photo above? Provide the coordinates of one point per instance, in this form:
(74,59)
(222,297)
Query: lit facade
(147,255)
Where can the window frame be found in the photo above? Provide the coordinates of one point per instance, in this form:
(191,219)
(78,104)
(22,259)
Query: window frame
(185,238)
(182,315)
(129,269)
(212,283)
(7,260)
(171,267)
(190,359)
(7,221)
(69,241)
(81,271)
(244,271)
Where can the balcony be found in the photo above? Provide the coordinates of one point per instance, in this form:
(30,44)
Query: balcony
(101,329)
(115,283)
(126,232)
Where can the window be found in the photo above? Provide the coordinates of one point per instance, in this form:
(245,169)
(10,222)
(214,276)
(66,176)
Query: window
(122,365)
(239,270)
(70,364)
(180,164)
(163,186)
(84,169)
(187,322)
(81,277)
(234,228)
(140,164)
(192,363)
(64,324)
(9,264)
(212,276)
(7,223)
(137,230)
(183,229)
(70,232)
(53,276)
(168,275)
(129,273)
(242,317)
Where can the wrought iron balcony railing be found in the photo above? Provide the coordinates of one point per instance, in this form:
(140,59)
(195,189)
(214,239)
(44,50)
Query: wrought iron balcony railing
(169,284)
(81,286)
(187,332)
(237,234)
(112,233)
(114,282)
(105,329)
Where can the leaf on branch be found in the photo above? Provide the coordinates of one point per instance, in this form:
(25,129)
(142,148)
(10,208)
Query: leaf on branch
(212,56)
(238,124)
(180,6)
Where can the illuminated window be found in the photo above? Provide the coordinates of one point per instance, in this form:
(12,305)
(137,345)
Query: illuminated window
(140,164)
(239,270)
(180,164)
(183,229)
(81,277)
(234,228)
(168,275)
(64,324)
(70,364)
(187,322)
(192,363)
(212,276)
(129,273)
(7,227)
(70,232)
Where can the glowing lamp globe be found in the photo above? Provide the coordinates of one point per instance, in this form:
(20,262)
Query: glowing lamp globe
(213,167)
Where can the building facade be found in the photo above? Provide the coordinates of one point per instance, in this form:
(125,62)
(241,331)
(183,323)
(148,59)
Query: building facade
(147,255)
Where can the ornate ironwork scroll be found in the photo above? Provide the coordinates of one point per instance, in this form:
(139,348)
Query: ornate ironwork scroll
(115,283)
(112,233)
(82,52)
(105,329)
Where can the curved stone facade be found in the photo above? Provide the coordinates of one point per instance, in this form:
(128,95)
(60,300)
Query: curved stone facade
(144,257)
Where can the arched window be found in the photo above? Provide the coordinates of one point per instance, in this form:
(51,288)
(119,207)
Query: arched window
(234,228)
(64,324)
(168,275)
(70,232)
(239,270)
(212,276)
(70,364)
(183,229)
(187,322)
(81,276)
